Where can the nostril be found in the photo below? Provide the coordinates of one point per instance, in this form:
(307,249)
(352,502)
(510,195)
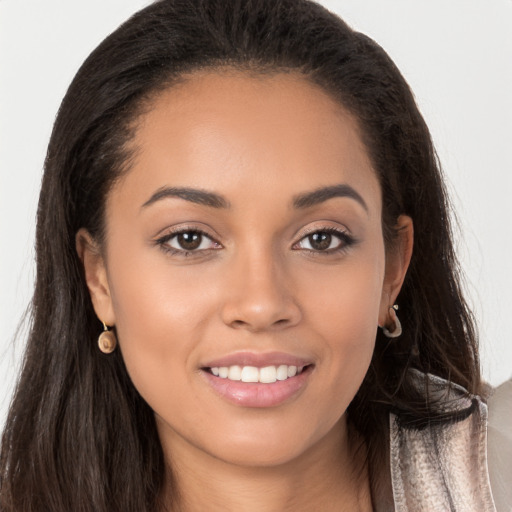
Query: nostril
(238,324)
(257,312)
(255,326)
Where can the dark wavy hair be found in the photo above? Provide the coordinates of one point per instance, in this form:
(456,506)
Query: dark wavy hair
(78,436)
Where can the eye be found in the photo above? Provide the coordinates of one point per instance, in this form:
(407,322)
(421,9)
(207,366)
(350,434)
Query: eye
(187,241)
(325,240)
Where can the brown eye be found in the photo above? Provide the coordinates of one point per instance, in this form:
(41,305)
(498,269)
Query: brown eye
(189,240)
(320,241)
(325,241)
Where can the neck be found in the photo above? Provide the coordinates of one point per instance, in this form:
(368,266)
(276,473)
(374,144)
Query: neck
(330,476)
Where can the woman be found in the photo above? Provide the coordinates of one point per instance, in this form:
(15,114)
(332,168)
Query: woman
(236,195)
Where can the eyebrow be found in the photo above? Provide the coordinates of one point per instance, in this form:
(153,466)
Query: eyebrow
(213,200)
(193,195)
(309,199)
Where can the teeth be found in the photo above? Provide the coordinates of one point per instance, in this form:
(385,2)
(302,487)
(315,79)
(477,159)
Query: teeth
(235,373)
(266,375)
(250,374)
(282,372)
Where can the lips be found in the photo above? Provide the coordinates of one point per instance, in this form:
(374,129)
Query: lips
(259,360)
(258,380)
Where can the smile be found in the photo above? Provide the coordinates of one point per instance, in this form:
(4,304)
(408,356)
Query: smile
(265,375)
(258,380)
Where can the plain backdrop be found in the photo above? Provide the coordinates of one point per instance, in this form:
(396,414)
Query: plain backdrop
(455,54)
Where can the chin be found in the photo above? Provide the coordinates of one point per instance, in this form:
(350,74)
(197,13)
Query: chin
(261,454)
(274,446)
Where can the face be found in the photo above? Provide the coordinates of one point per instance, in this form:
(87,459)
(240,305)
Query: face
(244,267)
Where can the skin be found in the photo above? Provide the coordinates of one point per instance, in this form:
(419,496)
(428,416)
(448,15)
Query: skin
(259,286)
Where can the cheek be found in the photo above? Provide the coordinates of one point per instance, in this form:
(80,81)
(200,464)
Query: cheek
(153,295)
(344,313)
(159,320)
(345,300)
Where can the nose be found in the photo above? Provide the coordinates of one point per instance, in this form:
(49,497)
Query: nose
(259,296)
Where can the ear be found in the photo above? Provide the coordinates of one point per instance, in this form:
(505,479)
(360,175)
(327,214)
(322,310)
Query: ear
(96,276)
(398,258)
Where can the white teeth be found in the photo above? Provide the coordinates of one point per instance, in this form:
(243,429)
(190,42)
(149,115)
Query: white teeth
(266,375)
(250,374)
(235,373)
(282,372)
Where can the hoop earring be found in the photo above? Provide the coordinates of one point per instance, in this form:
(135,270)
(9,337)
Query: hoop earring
(107,340)
(397,328)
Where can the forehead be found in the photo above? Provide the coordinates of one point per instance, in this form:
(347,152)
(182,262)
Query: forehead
(227,129)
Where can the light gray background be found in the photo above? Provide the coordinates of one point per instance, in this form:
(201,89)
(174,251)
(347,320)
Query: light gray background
(456,55)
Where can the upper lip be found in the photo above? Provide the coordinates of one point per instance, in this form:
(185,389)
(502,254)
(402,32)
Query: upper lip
(260,360)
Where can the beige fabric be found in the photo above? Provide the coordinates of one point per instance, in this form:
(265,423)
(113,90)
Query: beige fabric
(443,467)
(500,446)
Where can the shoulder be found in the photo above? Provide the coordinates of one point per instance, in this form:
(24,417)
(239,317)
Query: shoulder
(499,445)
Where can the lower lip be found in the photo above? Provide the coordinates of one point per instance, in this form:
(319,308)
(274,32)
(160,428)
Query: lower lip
(256,394)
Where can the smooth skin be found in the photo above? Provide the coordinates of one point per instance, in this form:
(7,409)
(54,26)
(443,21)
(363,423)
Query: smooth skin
(267,274)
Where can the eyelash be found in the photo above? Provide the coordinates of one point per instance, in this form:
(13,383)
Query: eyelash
(346,241)
(163,241)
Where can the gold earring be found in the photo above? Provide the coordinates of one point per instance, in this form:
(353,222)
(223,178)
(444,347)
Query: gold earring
(397,327)
(107,341)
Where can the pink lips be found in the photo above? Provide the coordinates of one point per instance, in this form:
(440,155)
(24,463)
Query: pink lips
(256,394)
(258,360)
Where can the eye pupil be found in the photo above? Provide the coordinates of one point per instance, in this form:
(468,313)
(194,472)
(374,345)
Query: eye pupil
(190,240)
(320,240)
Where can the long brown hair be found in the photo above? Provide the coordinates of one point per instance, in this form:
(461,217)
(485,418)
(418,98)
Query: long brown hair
(78,435)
